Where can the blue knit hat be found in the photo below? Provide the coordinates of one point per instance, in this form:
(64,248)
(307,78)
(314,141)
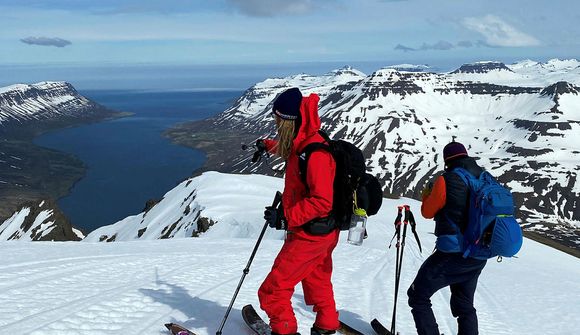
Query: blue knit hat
(454,150)
(287,104)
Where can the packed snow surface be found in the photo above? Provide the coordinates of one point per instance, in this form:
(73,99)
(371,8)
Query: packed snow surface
(135,287)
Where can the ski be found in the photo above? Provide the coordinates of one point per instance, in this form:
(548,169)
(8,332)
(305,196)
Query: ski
(260,327)
(176,329)
(347,330)
(254,321)
(380,329)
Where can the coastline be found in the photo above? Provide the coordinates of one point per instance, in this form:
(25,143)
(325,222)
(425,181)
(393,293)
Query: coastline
(52,174)
(218,145)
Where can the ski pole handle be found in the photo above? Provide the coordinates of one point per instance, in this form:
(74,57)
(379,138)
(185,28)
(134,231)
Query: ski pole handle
(277,199)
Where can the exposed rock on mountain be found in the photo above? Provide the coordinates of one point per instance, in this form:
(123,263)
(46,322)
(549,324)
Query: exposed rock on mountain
(39,221)
(482,67)
(525,134)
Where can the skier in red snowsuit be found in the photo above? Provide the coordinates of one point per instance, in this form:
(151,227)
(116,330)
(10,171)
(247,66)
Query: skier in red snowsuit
(304,258)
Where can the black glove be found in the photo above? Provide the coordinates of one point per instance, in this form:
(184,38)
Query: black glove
(260,145)
(275,218)
(260,149)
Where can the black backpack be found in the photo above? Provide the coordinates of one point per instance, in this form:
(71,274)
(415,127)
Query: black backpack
(351,183)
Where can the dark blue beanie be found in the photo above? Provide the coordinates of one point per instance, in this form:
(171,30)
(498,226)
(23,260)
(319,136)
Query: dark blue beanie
(454,150)
(287,104)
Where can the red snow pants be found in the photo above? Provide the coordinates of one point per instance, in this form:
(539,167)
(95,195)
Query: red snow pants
(307,259)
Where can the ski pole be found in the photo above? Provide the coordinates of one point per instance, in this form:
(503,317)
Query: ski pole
(399,267)
(398,222)
(277,200)
(409,219)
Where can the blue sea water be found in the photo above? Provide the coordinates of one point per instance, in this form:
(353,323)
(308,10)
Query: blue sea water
(128,160)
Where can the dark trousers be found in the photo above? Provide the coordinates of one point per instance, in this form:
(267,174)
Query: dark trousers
(438,271)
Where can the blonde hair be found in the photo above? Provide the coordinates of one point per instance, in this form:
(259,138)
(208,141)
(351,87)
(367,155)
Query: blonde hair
(285,137)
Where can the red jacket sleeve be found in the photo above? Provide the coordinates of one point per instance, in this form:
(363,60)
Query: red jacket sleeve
(435,201)
(271,145)
(318,202)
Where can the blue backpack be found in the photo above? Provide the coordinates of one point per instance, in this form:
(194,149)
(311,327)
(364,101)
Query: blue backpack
(492,229)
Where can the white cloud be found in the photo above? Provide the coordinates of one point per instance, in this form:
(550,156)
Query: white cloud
(499,33)
(269,8)
(46,41)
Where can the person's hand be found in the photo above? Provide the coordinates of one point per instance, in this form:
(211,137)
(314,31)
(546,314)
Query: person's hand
(275,218)
(260,149)
(260,145)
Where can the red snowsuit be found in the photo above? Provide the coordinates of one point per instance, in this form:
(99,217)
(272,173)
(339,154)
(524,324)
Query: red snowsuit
(304,258)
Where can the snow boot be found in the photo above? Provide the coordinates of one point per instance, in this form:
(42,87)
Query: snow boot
(318,331)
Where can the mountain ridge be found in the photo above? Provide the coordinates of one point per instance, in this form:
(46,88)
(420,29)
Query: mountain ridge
(523,132)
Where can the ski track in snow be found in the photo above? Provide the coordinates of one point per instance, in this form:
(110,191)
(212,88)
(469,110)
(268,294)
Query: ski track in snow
(66,288)
(135,287)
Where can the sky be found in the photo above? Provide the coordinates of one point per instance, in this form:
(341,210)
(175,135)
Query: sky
(90,32)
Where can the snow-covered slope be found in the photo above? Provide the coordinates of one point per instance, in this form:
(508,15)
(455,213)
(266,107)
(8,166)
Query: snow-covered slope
(524,129)
(44,103)
(524,73)
(38,221)
(50,288)
(190,207)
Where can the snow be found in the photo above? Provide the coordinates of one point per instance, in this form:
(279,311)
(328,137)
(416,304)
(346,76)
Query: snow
(15,227)
(409,67)
(12,88)
(25,87)
(23,102)
(12,225)
(135,287)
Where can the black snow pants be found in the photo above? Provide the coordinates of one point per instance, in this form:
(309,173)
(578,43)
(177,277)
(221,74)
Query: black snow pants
(438,271)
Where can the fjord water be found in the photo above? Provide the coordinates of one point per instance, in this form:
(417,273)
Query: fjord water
(128,161)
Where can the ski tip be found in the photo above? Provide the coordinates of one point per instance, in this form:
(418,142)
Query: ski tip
(347,329)
(379,328)
(168,325)
(249,314)
(248,309)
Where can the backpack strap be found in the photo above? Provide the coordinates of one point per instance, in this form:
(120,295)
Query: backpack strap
(455,243)
(463,174)
(304,155)
(324,135)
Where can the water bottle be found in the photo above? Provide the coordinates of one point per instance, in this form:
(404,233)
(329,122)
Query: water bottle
(358,222)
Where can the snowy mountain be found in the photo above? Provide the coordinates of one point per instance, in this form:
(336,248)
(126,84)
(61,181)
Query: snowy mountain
(135,287)
(524,73)
(482,67)
(38,221)
(191,208)
(34,107)
(526,133)
(409,67)
(31,175)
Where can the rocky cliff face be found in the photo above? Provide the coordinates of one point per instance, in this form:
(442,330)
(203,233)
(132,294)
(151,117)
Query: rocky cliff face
(39,221)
